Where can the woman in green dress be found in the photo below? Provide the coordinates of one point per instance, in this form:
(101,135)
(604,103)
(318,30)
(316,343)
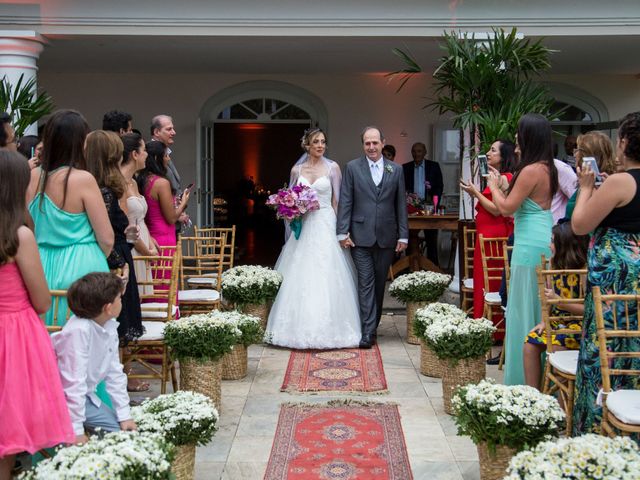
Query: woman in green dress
(611,213)
(72,227)
(528,199)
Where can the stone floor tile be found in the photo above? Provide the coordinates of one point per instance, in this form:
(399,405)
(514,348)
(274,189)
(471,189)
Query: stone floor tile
(255,447)
(464,450)
(425,469)
(244,470)
(469,470)
(208,470)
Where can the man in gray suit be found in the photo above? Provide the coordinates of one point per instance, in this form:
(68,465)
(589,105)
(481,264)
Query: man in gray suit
(372,220)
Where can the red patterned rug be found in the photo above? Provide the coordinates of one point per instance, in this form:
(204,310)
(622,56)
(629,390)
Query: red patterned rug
(338,440)
(346,370)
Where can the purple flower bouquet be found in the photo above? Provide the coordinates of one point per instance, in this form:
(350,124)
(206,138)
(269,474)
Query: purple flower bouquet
(292,203)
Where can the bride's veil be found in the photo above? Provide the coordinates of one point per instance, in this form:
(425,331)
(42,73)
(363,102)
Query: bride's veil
(333,172)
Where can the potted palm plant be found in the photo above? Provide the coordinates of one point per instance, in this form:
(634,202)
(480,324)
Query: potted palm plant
(23,103)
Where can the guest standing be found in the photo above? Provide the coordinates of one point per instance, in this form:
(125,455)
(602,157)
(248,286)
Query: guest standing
(489,222)
(72,226)
(611,213)
(104,155)
(33,411)
(529,199)
(163,213)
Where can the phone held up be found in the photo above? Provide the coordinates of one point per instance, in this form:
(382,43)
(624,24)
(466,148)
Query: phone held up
(483,165)
(591,161)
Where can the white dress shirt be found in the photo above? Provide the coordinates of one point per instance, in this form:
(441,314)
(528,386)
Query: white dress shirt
(567,185)
(376,170)
(419,186)
(88,354)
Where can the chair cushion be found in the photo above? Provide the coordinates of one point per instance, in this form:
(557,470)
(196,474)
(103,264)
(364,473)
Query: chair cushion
(565,361)
(153,331)
(204,280)
(198,295)
(625,405)
(156,312)
(493,297)
(468,283)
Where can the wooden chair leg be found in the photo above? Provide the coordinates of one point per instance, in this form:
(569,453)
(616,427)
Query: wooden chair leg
(545,378)
(569,407)
(174,380)
(165,366)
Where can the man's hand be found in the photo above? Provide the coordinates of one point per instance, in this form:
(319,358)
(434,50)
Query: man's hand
(401,247)
(128,426)
(81,439)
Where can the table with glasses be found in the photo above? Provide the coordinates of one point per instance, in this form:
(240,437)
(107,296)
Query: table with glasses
(415,260)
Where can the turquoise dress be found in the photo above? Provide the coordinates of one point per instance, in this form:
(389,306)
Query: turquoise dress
(68,248)
(532,236)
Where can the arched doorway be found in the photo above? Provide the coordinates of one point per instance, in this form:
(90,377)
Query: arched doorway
(250,138)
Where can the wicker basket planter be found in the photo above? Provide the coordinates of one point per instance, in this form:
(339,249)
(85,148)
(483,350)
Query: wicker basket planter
(467,370)
(493,466)
(184,462)
(203,377)
(260,310)
(430,364)
(412,307)
(234,363)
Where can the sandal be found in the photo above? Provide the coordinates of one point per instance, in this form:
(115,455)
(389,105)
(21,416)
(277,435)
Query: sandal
(139,387)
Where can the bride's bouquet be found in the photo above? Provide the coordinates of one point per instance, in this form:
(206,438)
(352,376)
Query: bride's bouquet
(292,203)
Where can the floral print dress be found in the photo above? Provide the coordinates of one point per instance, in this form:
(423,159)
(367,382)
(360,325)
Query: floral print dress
(565,286)
(614,266)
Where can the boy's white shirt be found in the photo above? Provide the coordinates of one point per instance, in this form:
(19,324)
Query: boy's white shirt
(88,354)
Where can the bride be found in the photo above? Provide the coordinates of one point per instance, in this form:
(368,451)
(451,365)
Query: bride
(317,306)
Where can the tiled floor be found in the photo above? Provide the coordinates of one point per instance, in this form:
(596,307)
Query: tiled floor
(248,418)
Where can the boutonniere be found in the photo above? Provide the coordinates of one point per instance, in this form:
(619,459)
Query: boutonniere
(388,168)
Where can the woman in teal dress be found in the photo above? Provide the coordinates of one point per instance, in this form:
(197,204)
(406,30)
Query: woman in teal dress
(72,227)
(611,213)
(528,199)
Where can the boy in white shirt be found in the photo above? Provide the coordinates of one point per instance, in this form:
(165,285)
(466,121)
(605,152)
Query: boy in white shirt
(87,351)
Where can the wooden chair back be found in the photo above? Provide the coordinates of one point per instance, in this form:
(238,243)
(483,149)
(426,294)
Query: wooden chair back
(228,237)
(468,247)
(56,325)
(494,254)
(546,278)
(164,269)
(611,336)
(202,257)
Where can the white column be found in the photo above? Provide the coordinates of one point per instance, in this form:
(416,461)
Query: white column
(19,52)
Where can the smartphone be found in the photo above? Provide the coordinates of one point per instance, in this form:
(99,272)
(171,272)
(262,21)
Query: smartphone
(189,187)
(591,161)
(483,165)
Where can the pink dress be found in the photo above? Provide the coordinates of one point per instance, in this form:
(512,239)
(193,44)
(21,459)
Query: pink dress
(33,409)
(163,232)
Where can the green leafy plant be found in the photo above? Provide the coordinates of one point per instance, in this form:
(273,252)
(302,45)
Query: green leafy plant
(454,338)
(421,286)
(486,85)
(23,103)
(250,284)
(182,418)
(203,337)
(252,331)
(517,416)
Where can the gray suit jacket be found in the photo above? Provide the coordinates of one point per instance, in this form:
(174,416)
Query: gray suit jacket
(371,214)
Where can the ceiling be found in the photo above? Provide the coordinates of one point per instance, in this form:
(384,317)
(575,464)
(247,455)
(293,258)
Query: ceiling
(618,54)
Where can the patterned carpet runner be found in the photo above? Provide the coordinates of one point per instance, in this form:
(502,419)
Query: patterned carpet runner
(346,370)
(339,440)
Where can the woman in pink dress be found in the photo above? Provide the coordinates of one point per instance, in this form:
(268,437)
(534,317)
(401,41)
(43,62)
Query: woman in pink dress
(33,410)
(163,208)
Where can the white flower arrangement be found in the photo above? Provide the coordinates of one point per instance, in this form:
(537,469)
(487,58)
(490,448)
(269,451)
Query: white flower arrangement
(587,457)
(454,337)
(388,168)
(434,311)
(421,286)
(118,455)
(250,284)
(182,418)
(517,416)
(205,336)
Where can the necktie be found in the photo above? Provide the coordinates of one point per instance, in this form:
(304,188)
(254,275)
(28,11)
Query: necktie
(375,173)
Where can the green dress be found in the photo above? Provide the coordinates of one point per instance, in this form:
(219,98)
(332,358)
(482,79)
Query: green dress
(532,237)
(68,248)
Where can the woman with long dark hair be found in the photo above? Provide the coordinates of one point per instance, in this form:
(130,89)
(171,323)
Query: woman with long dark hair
(528,199)
(72,226)
(489,222)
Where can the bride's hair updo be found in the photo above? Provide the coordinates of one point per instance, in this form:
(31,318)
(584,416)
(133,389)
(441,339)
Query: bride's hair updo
(308,135)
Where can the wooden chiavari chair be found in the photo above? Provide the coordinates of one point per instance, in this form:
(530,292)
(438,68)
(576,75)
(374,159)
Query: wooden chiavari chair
(618,357)
(467,247)
(201,256)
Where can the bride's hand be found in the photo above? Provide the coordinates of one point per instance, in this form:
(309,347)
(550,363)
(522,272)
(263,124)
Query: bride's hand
(347,242)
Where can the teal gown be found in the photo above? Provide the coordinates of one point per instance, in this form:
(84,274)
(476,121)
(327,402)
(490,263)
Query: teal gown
(68,250)
(532,236)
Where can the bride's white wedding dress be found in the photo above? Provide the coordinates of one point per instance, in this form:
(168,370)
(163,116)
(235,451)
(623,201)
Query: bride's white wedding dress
(317,305)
